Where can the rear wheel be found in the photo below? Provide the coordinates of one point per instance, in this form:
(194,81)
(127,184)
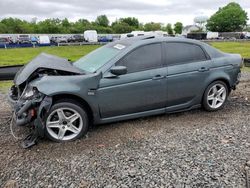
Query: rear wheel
(66,121)
(215,96)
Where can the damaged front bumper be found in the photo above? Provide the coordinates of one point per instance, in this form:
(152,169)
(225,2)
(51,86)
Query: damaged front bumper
(30,111)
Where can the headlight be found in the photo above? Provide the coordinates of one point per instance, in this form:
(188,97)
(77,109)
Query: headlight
(29,92)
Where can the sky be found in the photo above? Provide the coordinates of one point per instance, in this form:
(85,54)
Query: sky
(163,11)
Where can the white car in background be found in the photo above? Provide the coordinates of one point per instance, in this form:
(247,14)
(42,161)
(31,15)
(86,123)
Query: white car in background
(91,36)
(43,39)
(212,35)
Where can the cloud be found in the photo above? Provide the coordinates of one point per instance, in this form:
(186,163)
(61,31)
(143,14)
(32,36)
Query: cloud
(165,11)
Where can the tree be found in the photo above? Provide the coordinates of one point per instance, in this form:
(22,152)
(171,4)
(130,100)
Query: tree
(121,27)
(131,21)
(152,26)
(169,29)
(102,20)
(178,26)
(230,18)
(3,28)
(50,26)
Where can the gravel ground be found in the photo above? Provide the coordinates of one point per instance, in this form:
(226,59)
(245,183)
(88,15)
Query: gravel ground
(190,149)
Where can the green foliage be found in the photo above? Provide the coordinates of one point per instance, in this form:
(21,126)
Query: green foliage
(169,29)
(178,26)
(102,20)
(101,24)
(152,26)
(55,25)
(121,27)
(131,21)
(241,48)
(5,86)
(20,56)
(230,18)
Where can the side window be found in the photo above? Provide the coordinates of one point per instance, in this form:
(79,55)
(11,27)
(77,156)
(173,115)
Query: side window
(143,58)
(180,53)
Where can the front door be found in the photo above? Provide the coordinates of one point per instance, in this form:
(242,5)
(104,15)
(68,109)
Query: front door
(142,89)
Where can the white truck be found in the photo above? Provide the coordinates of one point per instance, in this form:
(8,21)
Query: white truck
(43,39)
(91,36)
(212,35)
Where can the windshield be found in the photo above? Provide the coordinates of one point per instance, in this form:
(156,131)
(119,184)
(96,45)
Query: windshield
(96,59)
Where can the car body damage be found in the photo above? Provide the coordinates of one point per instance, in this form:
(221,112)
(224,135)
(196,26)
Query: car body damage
(29,104)
(126,79)
(45,62)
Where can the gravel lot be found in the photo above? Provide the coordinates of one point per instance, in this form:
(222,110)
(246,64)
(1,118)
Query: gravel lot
(190,149)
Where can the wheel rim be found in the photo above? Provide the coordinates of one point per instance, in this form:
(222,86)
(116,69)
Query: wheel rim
(64,124)
(216,96)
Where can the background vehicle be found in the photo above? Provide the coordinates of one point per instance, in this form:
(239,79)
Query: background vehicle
(132,78)
(43,39)
(212,35)
(4,40)
(197,36)
(138,33)
(61,39)
(106,38)
(127,35)
(247,35)
(34,40)
(91,36)
(76,38)
(23,39)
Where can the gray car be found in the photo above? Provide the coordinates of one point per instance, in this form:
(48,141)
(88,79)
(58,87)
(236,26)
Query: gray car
(126,79)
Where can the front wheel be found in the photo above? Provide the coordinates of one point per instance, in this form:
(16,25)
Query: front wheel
(215,96)
(66,121)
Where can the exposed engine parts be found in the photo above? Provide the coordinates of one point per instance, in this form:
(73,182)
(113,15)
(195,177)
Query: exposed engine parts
(30,109)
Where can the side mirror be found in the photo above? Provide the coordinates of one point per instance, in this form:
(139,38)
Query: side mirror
(118,70)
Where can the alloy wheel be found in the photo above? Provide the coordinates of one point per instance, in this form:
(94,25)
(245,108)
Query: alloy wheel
(64,124)
(216,96)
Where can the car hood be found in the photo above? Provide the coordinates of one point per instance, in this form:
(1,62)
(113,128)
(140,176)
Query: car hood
(45,61)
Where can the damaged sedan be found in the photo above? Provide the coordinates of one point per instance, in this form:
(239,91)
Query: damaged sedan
(126,79)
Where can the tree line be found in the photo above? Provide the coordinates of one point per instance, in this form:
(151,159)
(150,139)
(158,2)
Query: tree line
(101,24)
(230,18)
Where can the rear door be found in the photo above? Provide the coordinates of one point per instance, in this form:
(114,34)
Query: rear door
(188,66)
(142,89)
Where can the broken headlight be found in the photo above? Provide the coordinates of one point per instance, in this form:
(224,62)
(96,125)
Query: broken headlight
(29,93)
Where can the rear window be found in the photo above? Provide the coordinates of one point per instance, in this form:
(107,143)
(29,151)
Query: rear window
(180,53)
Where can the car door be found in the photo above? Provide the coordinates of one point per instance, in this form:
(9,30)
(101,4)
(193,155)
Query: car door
(188,66)
(142,89)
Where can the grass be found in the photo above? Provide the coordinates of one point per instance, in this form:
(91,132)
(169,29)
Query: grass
(242,48)
(20,56)
(24,55)
(246,69)
(5,85)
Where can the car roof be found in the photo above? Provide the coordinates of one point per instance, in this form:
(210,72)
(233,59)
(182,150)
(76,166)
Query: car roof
(148,39)
(141,40)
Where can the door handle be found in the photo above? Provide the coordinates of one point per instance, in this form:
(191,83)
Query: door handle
(158,77)
(203,69)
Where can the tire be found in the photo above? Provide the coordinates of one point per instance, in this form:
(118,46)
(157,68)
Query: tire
(66,121)
(215,96)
